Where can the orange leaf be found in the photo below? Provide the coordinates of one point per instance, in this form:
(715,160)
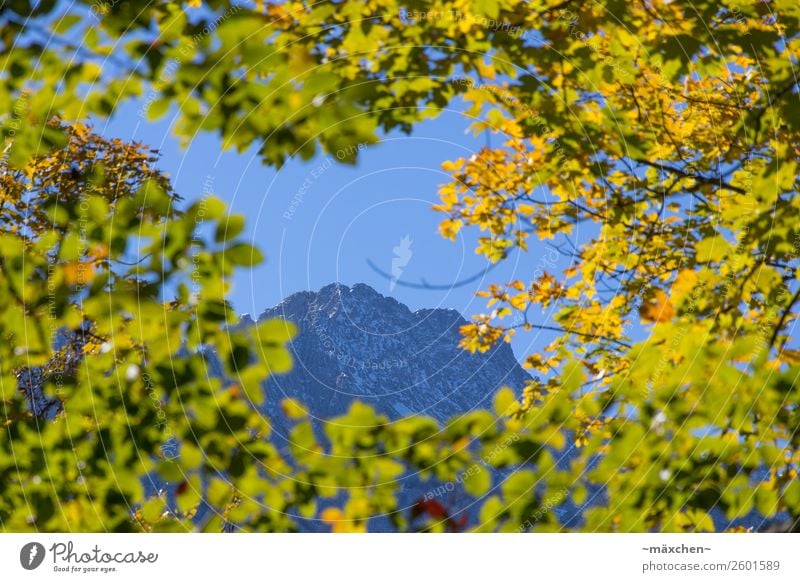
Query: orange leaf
(657,309)
(77,273)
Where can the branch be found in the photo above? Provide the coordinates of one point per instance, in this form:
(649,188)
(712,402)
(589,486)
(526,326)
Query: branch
(133,264)
(572,331)
(699,177)
(772,100)
(782,320)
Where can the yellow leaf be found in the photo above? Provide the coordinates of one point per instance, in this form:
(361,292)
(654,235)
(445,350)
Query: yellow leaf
(293,409)
(331,515)
(449,166)
(449,228)
(519,301)
(683,285)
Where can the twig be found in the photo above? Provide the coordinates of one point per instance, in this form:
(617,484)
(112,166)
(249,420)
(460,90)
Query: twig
(782,320)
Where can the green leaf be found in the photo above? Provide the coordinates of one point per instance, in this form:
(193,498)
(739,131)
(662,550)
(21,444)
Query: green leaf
(190,495)
(505,402)
(477,480)
(207,208)
(791,497)
(66,22)
(170,471)
(243,254)
(229,228)
(573,377)
(153,509)
(766,500)
(519,485)
(158,108)
(491,510)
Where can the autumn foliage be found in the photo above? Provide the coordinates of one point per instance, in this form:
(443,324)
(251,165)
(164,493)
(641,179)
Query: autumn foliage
(652,147)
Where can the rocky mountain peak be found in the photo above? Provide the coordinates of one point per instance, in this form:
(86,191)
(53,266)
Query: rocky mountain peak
(355,343)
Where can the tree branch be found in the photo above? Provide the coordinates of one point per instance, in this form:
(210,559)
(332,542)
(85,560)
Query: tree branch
(782,320)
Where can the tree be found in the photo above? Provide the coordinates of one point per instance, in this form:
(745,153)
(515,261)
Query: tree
(113,418)
(666,132)
(675,147)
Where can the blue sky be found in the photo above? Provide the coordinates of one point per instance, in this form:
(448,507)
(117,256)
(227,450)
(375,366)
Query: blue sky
(320,221)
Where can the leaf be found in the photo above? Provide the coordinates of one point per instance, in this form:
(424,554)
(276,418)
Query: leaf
(78,273)
(695,520)
(158,109)
(189,495)
(573,377)
(302,439)
(519,485)
(293,409)
(712,249)
(207,208)
(153,509)
(657,308)
(766,500)
(229,228)
(63,24)
(170,471)
(791,496)
(275,331)
(505,402)
(491,509)
(683,285)
(477,480)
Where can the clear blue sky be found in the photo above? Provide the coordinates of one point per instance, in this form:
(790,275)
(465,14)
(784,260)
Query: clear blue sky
(319,222)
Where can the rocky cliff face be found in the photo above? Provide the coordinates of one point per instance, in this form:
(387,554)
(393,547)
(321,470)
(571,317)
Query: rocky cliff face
(354,343)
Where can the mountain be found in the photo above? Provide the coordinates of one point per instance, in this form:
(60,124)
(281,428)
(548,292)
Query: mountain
(354,343)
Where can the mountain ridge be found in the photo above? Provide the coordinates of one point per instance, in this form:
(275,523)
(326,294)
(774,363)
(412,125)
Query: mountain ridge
(354,342)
